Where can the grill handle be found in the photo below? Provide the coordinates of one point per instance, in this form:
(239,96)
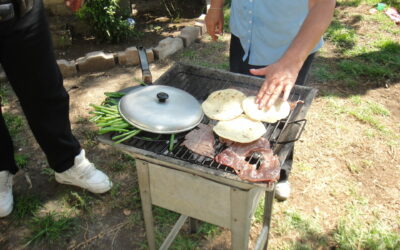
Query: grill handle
(288,127)
(144,65)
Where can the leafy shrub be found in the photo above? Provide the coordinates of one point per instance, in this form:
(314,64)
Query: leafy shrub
(106,20)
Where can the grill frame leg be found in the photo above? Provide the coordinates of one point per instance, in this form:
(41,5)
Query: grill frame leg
(144,186)
(262,240)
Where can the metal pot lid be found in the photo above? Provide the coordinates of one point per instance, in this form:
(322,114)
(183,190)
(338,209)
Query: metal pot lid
(161,109)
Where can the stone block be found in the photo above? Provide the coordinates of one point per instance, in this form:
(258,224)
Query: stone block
(189,35)
(150,55)
(95,61)
(201,24)
(167,47)
(128,57)
(67,68)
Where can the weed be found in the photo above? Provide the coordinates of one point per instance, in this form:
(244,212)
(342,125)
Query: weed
(115,190)
(49,172)
(4,93)
(21,160)
(26,205)
(208,229)
(164,216)
(342,36)
(14,123)
(50,229)
(79,201)
(355,231)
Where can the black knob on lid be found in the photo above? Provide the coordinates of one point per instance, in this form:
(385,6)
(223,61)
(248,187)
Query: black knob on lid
(162,96)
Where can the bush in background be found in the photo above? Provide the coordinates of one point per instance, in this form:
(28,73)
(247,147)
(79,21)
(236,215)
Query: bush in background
(106,20)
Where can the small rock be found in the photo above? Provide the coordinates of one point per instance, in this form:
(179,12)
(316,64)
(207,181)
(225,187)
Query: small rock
(167,47)
(128,57)
(67,68)
(95,61)
(127,212)
(190,34)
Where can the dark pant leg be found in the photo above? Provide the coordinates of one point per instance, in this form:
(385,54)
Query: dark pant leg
(237,65)
(26,54)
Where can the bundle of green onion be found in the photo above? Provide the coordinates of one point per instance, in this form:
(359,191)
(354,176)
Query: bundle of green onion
(108,118)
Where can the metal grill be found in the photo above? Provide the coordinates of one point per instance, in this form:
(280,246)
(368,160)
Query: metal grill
(200,82)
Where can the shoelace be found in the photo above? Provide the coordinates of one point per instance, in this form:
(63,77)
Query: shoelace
(86,171)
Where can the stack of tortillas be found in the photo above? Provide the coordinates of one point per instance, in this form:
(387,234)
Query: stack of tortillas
(227,107)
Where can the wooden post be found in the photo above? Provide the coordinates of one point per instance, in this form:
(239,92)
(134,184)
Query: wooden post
(144,186)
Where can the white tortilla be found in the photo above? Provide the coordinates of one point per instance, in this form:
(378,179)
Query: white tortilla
(241,129)
(224,104)
(279,110)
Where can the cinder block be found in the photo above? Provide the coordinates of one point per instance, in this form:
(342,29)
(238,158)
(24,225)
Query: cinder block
(202,25)
(167,47)
(95,61)
(128,57)
(67,68)
(190,34)
(150,55)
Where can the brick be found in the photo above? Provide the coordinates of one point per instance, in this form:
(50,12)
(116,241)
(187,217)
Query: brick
(128,57)
(167,47)
(67,68)
(95,61)
(200,22)
(189,35)
(150,55)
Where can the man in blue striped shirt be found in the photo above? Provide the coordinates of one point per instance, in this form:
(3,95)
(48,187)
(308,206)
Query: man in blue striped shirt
(275,39)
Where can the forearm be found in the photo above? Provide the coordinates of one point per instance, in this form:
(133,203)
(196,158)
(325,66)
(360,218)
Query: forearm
(217,3)
(314,26)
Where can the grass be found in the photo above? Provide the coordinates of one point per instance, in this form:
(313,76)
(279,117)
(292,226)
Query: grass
(354,231)
(81,201)
(26,205)
(50,228)
(14,124)
(21,160)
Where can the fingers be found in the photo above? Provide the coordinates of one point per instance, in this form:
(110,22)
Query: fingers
(286,92)
(259,72)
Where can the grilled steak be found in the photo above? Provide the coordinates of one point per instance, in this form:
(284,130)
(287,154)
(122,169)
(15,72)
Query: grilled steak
(201,140)
(235,157)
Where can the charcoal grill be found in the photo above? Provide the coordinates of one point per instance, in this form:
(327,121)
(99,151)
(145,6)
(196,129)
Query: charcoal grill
(197,187)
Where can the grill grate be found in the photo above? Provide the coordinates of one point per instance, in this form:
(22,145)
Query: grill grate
(200,82)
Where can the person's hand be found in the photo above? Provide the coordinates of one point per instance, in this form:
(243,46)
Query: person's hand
(74,5)
(215,22)
(279,78)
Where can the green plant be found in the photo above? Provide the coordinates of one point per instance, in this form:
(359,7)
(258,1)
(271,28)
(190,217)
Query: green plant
(21,160)
(50,228)
(26,205)
(106,20)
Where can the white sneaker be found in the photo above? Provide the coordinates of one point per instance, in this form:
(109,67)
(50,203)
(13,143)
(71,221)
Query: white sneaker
(6,196)
(282,190)
(84,174)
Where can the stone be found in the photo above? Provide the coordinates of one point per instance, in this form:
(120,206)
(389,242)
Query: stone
(167,47)
(67,68)
(190,34)
(95,61)
(200,22)
(128,57)
(150,55)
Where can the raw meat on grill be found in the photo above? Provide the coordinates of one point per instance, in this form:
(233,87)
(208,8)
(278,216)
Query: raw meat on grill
(235,157)
(201,140)
(243,149)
